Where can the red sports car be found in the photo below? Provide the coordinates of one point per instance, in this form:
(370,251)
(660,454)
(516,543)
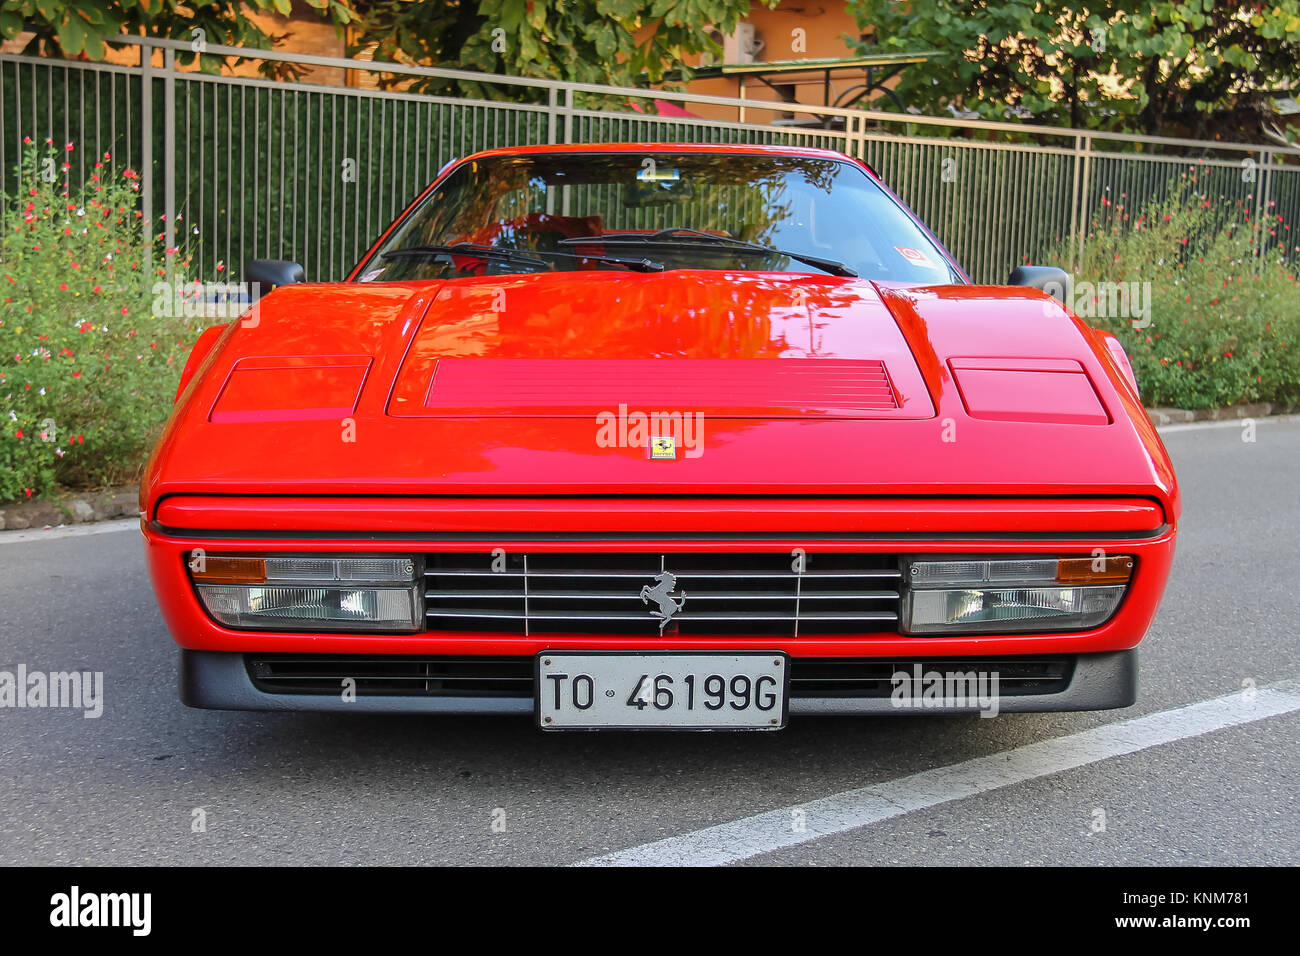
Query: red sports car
(658,436)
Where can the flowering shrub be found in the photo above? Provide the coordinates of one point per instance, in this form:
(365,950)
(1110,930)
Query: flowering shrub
(87,374)
(1224,323)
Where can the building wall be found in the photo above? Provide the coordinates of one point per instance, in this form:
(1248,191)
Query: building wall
(825,25)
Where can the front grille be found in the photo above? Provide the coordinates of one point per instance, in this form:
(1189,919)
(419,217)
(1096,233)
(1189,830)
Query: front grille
(613,593)
(512,677)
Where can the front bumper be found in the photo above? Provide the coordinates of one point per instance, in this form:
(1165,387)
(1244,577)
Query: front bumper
(221,680)
(215,660)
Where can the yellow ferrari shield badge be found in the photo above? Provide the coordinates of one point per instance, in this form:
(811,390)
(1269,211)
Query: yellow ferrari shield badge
(664,448)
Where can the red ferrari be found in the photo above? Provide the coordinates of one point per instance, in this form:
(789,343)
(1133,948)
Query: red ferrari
(658,436)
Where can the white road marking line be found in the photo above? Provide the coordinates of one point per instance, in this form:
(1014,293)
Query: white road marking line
(751,836)
(18,536)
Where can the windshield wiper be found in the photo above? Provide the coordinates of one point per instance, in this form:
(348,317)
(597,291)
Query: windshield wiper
(698,237)
(463,249)
(515,255)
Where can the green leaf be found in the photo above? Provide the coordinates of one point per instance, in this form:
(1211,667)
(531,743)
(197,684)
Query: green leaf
(619,9)
(72,35)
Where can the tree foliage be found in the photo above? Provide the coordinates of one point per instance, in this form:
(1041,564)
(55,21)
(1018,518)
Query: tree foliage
(592,41)
(614,42)
(76,28)
(1201,68)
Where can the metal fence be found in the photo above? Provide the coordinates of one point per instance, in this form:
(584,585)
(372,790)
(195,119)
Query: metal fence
(234,168)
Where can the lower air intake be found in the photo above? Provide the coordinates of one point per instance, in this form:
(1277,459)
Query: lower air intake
(416,676)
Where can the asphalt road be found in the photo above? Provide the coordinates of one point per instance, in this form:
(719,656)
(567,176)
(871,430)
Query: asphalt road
(341,789)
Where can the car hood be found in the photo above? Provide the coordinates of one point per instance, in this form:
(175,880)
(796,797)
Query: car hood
(798,385)
(716,344)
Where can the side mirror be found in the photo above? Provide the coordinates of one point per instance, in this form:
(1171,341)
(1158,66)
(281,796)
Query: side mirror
(263,275)
(1055,282)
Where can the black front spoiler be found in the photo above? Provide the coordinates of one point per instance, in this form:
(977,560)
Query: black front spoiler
(219,680)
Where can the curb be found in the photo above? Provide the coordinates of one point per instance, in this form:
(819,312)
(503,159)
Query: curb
(1180,416)
(72,508)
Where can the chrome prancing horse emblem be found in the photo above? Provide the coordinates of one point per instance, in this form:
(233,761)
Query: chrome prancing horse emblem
(661,594)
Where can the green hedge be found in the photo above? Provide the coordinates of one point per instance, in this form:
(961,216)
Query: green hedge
(1224,319)
(87,372)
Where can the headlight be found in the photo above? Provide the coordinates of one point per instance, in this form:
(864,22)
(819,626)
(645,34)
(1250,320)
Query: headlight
(955,595)
(291,593)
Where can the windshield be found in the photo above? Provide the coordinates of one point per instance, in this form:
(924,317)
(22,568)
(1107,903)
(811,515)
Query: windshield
(658,211)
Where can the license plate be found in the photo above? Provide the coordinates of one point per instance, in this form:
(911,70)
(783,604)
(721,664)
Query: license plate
(632,690)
